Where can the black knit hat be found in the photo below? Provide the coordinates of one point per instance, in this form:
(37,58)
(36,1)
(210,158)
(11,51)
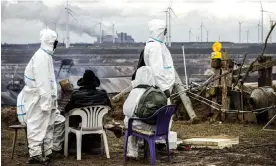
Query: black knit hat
(89,78)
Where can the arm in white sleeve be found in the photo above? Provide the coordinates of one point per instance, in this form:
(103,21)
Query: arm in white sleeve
(42,80)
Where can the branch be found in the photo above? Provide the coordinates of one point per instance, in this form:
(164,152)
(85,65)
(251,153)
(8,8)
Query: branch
(244,57)
(260,56)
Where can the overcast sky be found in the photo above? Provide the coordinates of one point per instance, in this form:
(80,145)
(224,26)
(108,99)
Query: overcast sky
(21,21)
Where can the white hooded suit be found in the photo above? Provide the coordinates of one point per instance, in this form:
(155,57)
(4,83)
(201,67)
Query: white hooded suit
(36,103)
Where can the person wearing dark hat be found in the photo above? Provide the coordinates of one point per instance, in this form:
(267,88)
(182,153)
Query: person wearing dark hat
(87,95)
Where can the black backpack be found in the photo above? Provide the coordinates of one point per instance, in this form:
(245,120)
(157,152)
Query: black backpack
(151,101)
(141,63)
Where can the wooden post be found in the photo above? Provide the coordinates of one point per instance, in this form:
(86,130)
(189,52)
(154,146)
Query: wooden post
(226,84)
(265,75)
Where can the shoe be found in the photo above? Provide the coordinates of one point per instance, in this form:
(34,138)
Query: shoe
(37,160)
(55,155)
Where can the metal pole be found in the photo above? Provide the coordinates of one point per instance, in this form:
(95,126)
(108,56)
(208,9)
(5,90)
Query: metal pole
(170,35)
(185,67)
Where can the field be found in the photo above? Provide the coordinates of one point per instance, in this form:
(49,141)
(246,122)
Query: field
(256,148)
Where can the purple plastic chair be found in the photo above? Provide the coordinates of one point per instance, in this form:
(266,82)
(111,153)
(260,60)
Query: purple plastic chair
(163,116)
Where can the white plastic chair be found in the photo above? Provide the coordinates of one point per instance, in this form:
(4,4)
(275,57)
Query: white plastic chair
(92,118)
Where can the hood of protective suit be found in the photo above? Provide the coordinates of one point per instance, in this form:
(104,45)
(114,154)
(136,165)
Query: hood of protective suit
(47,39)
(144,76)
(156,29)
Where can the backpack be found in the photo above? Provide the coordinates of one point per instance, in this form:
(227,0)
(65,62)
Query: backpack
(151,101)
(141,63)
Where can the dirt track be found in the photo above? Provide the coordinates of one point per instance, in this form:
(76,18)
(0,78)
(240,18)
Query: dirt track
(256,148)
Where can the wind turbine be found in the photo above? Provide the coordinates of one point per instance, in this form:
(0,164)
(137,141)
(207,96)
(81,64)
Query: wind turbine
(258,26)
(271,24)
(201,26)
(262,13)
(168,21)
(247,35)
(113,31)
(240,24)
(68,12)
(101,31)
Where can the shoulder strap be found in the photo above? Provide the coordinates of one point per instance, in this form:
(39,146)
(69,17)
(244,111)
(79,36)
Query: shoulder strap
(143,86)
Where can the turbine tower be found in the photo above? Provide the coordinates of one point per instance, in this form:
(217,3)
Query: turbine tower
(247,35)
(240,24)
(67,39)
(201,26)
(271,24)
(258,26)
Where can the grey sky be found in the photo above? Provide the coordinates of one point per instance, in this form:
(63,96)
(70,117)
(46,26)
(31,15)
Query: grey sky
(22,20)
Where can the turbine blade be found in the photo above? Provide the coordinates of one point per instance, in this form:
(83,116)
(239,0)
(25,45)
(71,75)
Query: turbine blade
(170,3)
(261,4)
(73,17)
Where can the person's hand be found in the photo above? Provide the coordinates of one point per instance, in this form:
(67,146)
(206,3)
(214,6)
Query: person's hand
(167,93)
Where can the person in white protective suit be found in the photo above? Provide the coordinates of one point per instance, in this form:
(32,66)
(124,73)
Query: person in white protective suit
(158,57)
(144,76)
(38,98)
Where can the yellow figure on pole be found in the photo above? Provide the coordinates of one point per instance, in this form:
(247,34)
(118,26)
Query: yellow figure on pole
(216,48)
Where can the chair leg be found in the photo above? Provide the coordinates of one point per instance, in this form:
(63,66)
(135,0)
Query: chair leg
(66,135)
(125,145)
(168,149)
(106,145)
(26,135)
(146,149)
(79,143)
(152,151)
(14,141)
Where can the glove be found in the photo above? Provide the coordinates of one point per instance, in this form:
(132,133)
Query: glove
(167,93)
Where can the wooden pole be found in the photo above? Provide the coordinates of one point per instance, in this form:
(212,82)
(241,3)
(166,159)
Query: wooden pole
(226,83)
(265,75)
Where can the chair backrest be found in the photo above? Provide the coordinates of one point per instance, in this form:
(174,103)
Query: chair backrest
(163,119)
(92,116)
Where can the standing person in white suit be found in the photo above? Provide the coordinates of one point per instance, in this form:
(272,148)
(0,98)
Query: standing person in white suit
(158,57)
(39,97)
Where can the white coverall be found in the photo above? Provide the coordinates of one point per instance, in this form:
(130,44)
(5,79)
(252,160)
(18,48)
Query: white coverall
(39,96)
(59,123)
(144,76)
(158,57)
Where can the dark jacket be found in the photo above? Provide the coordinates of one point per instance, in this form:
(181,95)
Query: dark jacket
(87,96)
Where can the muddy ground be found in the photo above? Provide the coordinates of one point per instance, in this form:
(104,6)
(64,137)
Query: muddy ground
(256,148)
